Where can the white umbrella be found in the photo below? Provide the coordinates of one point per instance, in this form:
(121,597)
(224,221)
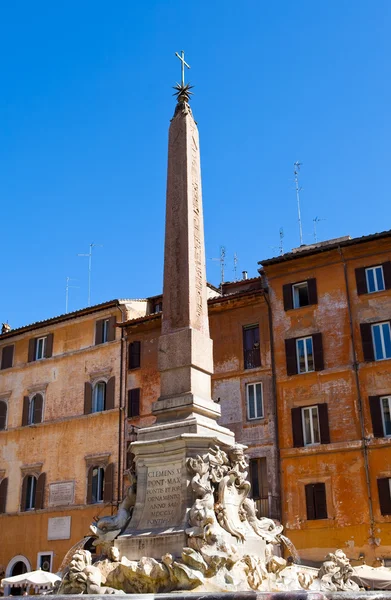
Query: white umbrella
(377,578)
(38,579)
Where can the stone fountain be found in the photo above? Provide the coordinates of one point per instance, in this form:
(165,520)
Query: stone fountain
(187,521)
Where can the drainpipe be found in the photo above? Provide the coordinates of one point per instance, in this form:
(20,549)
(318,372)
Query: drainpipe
(274,388)
(359,399)
(121,409)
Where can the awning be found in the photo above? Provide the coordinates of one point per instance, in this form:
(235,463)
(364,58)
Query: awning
(38,579)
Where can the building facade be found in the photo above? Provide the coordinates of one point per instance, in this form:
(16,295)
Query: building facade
(331,312)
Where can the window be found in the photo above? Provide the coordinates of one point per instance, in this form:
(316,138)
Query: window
(315,495)
(134,355)
(374,278)
(3,415)
(300,294)
(311,430)
(384,490)
(41,347)
(33,492)
(157,307)
(254,401)
(380,407)
(134,403)
(7,357)
(99,397)
(251,347)
(44,561)
(259,485)
(310,425)
(105,330)
(3,495)
(304,355)
(381,335)
(100,482)
(32,409)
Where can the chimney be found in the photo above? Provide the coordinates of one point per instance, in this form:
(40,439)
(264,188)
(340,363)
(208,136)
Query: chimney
(5,328)
(245,276)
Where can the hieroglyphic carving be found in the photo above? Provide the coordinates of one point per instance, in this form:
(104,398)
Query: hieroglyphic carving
(198,263)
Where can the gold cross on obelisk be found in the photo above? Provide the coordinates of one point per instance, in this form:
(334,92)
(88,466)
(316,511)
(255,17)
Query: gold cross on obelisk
(184,64)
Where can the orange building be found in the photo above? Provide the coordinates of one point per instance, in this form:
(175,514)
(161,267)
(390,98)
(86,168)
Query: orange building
(242,382)
(331,312)
(61,436)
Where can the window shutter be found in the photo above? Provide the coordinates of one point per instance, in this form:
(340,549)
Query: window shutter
(38,407)
(111,332)
(383,486)
(287,296)
(26,406)
(387,274)
(134,355)
(290,351)
(24,493)
(110,392)
(109,483)
(3,415)
(87,398)
(309,499)
(7,357)
(324,423)
(134,403)
(49,345)
(367,342)
(31,354)
(312,291)
(89,485)
(376,416)
(320,501)
(3,495)
(98,332)
(318,351)
(297,428)
(361,281)
(40,491)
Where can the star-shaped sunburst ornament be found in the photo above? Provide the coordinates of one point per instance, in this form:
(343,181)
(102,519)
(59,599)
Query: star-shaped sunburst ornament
(183,92)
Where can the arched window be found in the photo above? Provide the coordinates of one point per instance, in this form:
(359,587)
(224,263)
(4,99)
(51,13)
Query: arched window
(99,396)
(35,407)
(3,415)
(33,492)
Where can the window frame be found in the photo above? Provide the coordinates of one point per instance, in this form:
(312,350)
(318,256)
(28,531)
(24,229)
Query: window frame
(43,348)
(307,370)
(3,365)
(256,417)
(388,398)
(311,419)
(95,388)
(380,325)
(296,295)
(367,269)
(105,330)
(313,485)
(248,359)
(40,555)
(31,493)
(5,401)
(100,484)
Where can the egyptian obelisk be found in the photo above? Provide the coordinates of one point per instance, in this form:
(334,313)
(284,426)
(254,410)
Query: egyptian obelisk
(186,416)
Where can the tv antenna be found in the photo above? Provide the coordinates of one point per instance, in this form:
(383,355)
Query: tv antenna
(67,286)
(281,241)
(296,170)
(236,260)
(316,221)
(222,266)
(92,246)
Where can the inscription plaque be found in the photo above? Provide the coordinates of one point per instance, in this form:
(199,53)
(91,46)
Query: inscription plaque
(59,528)
(163,496)
(61,493)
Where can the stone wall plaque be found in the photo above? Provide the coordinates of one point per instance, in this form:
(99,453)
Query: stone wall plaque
(163,496)
(59,528)
(61,493)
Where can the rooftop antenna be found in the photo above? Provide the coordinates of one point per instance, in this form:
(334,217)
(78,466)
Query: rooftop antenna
(296,170)
(222,266)
(281,241)
(92,246)
(316,220)
(67,286)
(235,265)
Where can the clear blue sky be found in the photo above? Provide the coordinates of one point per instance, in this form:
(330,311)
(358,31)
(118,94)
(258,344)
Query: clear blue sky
(85,108)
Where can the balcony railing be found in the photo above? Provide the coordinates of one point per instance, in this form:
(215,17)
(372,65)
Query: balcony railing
(252,358)
(268,506)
